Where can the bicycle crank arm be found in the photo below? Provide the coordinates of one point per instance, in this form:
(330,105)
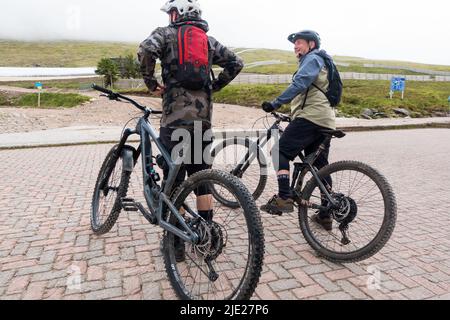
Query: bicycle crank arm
(129,204)
(147,215)
(314,206)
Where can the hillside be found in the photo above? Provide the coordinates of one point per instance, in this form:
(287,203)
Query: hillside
(267,61)
(280,61)
(60,54)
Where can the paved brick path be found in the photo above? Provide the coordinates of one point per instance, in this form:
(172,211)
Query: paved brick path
(45,236)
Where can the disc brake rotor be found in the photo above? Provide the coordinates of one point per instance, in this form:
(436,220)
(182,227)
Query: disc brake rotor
(211,241)
(347,210)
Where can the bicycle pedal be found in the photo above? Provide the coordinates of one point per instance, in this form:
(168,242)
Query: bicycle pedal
(129,204)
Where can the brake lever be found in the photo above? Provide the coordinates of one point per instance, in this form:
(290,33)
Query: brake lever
(110,97)
(285,118)
(282,117)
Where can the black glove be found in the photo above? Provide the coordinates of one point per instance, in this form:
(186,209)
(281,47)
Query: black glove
(268,107)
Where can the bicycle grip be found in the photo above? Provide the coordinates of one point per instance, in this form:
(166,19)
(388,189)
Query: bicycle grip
(101,89)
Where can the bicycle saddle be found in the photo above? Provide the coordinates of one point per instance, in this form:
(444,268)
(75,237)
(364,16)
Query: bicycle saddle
(334,133)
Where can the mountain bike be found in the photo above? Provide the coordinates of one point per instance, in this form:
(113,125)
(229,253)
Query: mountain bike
(222,256)
(357,197)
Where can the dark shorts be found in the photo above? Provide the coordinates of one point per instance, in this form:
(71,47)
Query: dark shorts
(303,135)
(195,163)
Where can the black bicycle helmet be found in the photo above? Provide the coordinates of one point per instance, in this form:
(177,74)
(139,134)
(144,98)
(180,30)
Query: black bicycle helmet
(307,35)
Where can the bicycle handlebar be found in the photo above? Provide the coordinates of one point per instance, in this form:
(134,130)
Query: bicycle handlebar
(281,117)
(104,90)
(116,96)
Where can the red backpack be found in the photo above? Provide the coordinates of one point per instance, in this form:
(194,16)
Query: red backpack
(193,58)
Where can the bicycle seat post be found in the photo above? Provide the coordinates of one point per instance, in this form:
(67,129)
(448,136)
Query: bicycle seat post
(314,156)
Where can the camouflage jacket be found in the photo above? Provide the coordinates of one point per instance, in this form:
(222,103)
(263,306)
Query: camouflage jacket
(181,106)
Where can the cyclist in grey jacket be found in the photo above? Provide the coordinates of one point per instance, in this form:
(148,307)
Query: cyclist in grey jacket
(311,112)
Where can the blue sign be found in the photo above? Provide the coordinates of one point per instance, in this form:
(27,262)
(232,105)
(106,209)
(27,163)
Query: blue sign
(38,85)
(398,84)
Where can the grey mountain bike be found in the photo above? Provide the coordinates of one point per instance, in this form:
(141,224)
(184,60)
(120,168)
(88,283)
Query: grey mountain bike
(359,199)
(223,255)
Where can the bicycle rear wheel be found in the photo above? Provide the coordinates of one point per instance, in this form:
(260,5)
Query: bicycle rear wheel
(228,155)
(226,264)
(110,188)
(365,219)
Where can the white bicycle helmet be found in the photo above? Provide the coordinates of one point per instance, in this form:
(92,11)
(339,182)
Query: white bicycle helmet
(183,7)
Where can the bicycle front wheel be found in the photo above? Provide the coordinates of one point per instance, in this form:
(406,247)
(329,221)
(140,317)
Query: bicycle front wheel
(110,188)
(365,217)
(226,263)
(241,158)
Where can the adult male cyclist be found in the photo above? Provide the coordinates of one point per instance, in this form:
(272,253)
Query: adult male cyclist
(187,55)
(311,112)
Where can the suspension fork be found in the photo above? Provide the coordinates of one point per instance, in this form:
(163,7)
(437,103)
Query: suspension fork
(127,133)
(137,155)
(249,157)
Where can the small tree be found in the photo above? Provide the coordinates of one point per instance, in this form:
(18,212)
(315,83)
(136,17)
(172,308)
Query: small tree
(131,67)
(107,68)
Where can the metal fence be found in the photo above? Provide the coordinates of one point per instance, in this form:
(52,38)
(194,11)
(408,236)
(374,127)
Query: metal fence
(287,78)
(423,71)
(377,76)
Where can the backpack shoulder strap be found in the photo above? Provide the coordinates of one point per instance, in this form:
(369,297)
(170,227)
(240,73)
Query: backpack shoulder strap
(306,97)
(317,87)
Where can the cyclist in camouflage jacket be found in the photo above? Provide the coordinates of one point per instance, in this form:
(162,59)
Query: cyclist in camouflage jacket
(181,106)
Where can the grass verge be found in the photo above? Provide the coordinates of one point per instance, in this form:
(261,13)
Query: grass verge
(423,99)
(72,84)
(48,100)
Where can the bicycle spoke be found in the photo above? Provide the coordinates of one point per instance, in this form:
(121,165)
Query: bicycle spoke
(230,265)
(369,202)
(356,186)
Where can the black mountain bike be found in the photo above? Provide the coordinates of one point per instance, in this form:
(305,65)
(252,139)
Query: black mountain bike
(358,198)
(223,256)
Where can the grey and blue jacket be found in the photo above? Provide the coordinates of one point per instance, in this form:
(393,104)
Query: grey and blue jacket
(307,101)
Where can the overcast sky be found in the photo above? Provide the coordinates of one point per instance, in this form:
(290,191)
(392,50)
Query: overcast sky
(412,30)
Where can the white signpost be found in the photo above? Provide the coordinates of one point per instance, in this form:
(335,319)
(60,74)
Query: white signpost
(38,86)
(397,84)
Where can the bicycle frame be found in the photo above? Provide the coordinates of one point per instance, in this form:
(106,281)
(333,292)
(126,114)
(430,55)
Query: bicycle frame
(300,169)
(155,196)
(257,145)
(157,199)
